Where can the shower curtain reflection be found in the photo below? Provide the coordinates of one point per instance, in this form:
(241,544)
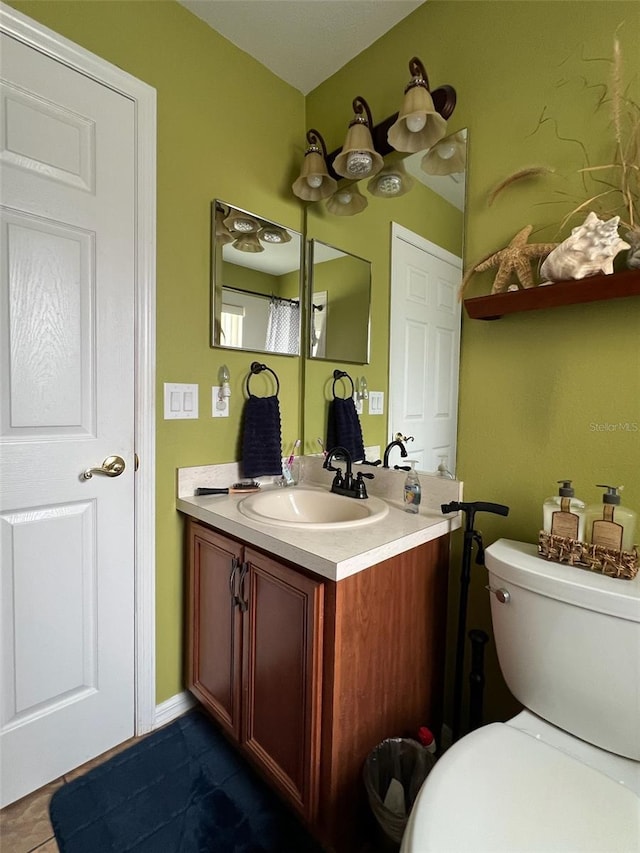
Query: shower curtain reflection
(283,326)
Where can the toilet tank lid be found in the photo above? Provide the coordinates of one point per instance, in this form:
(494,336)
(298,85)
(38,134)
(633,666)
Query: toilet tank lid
(519,563)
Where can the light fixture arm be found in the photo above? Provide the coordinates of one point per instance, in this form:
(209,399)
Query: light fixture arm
(361,106)
(418,74)
(315,138)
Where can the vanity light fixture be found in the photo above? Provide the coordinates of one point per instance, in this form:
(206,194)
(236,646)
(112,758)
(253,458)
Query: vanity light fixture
(223,235)
(446,157)
(248,243)
(419,125)
(314,182)
(391,182)
(347,201)
(358,158)
(241,223)
(274,235)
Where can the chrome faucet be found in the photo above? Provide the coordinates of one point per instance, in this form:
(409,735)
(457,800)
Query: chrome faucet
(395,443)
(346,485)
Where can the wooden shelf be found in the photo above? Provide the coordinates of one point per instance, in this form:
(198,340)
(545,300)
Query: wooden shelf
(591,289)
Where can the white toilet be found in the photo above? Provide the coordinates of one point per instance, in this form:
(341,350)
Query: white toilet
(563,775)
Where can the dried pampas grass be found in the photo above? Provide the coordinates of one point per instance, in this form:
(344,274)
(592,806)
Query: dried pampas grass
(517,177)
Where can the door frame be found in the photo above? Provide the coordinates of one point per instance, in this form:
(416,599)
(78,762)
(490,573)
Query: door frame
(143,96)
(400,233)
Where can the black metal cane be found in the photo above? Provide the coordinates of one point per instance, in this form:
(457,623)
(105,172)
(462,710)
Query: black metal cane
(470,536)
(478,639)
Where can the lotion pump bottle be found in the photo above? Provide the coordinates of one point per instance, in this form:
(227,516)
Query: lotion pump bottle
(610,524)
(412,492)
(563,514)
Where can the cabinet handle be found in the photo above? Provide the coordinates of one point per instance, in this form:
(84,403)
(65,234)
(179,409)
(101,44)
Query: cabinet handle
(235,564)
(242,601)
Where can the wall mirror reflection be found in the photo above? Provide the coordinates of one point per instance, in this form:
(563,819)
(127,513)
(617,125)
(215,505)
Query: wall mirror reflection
(415,240)
(256,282)
(340,303)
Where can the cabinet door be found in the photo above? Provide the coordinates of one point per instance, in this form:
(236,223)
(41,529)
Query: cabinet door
(214,625)
(282,676)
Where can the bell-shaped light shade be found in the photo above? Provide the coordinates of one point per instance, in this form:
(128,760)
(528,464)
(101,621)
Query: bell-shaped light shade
(391,182)
(274,235)
(347,201)
(447,157)
(241,223)
(314,182)
(358,158)
(418,125)
(223,235)
(248,243)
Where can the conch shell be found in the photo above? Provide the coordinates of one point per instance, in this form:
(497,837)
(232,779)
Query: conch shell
(589,250)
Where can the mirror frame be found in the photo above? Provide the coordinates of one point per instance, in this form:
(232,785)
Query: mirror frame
(217,284)
(311,276)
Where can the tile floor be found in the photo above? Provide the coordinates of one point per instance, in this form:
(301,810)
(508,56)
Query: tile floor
(25,824)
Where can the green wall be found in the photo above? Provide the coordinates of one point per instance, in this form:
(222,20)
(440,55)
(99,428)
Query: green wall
(535,386)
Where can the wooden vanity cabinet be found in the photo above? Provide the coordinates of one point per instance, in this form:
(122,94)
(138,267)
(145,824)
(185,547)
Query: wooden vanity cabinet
(254,659)
(313,674)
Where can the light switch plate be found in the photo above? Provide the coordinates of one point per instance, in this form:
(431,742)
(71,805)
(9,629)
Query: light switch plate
(219,407)
(180,401)
(376,402)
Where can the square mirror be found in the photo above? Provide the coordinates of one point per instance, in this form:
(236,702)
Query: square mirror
(256,282)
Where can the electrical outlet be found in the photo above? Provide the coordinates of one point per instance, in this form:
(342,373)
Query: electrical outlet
(376,402)
(180,401)
(219,405)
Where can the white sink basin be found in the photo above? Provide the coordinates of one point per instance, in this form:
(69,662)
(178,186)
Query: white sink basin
(311,509)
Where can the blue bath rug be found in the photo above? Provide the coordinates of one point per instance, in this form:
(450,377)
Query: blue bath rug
(182,789)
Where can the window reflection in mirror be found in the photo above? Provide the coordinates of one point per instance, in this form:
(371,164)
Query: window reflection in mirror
(340,296)
(256,282)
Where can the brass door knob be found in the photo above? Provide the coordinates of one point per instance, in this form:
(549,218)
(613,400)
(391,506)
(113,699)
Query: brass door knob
(112,466)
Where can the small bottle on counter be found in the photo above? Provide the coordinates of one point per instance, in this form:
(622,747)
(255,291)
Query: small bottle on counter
(563,514)
(412,491)
(610,524)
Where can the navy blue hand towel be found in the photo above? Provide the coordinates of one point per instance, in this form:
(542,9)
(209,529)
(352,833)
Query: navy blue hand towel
(261,437)
(343,428)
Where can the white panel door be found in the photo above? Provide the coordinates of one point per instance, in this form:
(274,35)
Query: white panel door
(67,162)
(424,349)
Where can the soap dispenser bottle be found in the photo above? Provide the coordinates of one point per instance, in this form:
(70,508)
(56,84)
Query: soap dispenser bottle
(563,514)
(610,524)
(412,491)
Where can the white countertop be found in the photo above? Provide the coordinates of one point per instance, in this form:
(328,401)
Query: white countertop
(333,554)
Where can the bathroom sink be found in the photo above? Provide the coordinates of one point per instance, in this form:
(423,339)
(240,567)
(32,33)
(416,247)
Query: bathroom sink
(311,509)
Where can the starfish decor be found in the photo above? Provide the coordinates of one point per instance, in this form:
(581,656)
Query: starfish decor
(515,259)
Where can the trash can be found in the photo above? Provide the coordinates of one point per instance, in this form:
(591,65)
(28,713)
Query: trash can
(393,774)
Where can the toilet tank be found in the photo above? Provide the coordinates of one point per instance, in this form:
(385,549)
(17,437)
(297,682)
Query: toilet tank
(568,643)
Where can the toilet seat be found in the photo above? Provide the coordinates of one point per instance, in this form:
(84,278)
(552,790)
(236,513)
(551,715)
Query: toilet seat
(500,790)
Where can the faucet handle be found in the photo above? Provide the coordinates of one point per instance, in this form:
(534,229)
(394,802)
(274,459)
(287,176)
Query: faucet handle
(359,488)
(338,480)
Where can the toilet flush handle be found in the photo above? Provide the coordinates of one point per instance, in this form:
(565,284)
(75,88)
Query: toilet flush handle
(503,595)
